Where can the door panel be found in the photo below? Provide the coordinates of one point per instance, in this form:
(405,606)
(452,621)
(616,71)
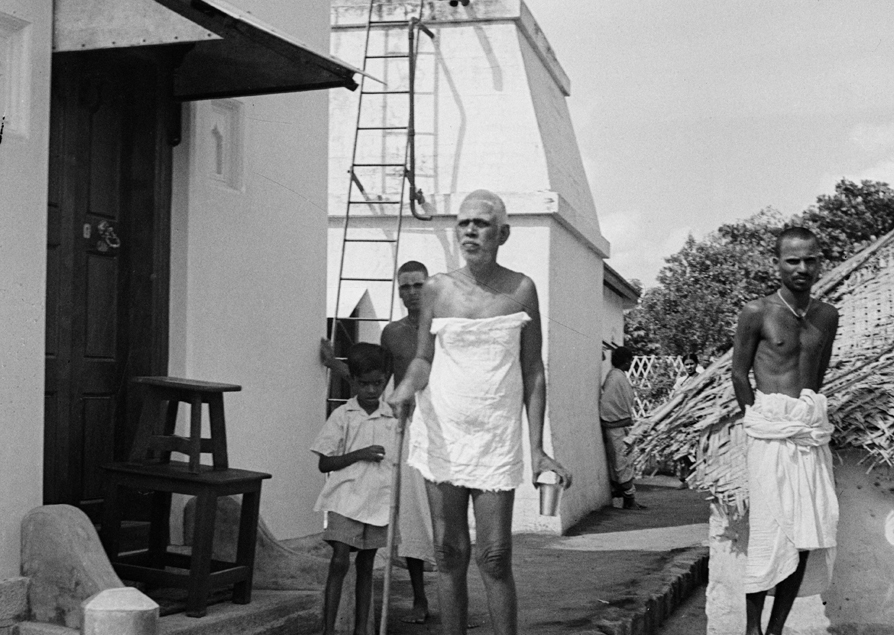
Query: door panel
(104,268)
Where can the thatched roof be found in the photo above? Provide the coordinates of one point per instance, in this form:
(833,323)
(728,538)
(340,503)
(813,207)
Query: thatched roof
(703,422)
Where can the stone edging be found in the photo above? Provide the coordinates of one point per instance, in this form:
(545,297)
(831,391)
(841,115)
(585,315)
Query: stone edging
(680,577)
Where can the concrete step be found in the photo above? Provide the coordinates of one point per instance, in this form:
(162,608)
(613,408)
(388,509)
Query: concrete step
(270,613)
(39,628)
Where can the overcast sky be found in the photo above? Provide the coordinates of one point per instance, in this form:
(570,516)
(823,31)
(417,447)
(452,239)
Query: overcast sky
(691,113)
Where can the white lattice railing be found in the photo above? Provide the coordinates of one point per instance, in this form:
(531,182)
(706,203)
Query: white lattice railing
(653,377)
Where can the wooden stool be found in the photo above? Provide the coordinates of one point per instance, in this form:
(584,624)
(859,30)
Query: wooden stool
(204,573)
(155,433)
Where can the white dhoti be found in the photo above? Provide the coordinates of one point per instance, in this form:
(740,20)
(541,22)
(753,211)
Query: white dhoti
(414,520)
(470,429)
(792,501)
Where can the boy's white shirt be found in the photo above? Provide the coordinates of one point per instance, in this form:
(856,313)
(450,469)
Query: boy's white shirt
(361,491)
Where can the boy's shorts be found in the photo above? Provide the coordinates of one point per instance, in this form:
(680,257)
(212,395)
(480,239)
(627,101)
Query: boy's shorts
(357,535)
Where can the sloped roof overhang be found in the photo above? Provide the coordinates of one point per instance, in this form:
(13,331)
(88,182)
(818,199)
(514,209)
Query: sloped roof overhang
(251,58)
(229,52)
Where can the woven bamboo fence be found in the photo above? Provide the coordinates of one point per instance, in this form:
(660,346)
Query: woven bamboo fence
(653,377)
(702,422)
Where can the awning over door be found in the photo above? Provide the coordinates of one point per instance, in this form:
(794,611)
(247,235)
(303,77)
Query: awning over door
(252,58)
(229,53)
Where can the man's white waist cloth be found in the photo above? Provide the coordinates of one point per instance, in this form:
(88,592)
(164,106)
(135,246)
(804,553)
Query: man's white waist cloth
(792,501)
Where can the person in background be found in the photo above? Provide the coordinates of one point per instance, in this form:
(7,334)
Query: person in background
(691,371)
(616,416)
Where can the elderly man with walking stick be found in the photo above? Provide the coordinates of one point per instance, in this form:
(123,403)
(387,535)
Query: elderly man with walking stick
(478,363)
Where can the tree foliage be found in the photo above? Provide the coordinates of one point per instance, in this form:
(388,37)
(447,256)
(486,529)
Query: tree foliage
(702,287)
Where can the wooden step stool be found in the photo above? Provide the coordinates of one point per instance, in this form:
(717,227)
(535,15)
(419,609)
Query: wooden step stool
(150,468)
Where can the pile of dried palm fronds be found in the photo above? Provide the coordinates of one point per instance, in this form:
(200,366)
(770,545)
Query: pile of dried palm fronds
(702,422)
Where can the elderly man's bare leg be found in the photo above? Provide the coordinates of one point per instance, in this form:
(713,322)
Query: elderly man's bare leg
(493,516)
(493,550)
(449,510)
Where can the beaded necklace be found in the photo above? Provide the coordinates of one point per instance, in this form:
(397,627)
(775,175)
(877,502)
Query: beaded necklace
(798,315)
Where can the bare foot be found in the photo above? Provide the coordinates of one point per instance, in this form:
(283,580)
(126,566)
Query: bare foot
(418,615)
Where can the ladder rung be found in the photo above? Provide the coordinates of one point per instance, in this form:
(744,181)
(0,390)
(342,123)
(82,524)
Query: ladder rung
(387,56)
(370,240)
(374,202)
(386,92)
(368,279)
(363,319)
(379,165)
(389,22)
(382,127)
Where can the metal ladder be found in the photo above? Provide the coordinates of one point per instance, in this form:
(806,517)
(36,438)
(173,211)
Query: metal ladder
(382,185)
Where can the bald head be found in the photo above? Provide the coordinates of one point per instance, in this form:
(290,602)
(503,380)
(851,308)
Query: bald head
(493,202)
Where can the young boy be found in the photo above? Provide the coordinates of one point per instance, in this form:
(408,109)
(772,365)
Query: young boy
(356,448)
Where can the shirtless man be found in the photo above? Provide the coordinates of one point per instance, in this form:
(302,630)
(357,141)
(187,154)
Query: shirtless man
(399,338)
(786,339)
(484,322)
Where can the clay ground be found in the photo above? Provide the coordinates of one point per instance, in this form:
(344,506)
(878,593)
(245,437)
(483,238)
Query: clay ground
(585,582)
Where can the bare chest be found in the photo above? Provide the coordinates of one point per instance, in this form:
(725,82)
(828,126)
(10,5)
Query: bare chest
(469,300)
(787,338)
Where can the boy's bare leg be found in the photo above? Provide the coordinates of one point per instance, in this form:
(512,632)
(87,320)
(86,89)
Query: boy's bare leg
(449,512)
(493,547)
(338,569)
(754,608)
(786,593)
(363,589)
(416,569)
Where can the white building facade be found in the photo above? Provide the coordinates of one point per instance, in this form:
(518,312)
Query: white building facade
(218,196)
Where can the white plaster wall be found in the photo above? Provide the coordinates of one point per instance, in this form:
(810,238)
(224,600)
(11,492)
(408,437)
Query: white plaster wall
(576,332)
(469,129)
(25,99)
(248,279)
(612,317)
(559,144)
(862,592)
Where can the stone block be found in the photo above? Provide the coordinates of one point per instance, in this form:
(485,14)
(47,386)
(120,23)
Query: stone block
(123,611)
(40,628)
(65,562)
(13,601)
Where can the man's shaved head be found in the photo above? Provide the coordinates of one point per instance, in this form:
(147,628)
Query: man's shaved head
(793,233)
(494,202)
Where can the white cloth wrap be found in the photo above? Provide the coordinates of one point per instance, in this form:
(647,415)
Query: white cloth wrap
(468,428)
(414,520)
(792,501)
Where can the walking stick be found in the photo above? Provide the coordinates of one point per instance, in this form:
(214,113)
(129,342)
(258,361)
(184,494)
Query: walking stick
(394,511)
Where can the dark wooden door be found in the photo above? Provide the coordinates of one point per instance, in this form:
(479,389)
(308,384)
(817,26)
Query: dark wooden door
(107,249)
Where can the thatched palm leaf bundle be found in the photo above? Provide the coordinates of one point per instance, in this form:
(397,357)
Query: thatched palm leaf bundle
(702,422)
